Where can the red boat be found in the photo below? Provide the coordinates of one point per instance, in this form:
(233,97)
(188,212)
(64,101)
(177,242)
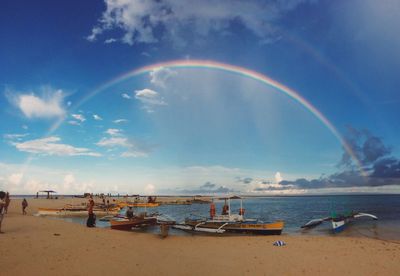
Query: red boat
(135,222)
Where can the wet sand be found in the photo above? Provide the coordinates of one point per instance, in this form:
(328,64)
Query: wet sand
(42,246)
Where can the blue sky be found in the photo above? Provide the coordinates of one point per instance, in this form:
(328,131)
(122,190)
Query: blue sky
(186,130)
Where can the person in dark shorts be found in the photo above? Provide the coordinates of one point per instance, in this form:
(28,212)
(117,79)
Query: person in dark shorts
(91,221)
(24,205)
(2,209)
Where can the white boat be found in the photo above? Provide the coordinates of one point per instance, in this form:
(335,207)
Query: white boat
(338,221)
(230,223)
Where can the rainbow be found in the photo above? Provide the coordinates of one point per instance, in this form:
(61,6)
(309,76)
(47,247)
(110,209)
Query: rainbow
(208,64)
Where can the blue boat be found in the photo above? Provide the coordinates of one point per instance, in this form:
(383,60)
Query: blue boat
(338,221)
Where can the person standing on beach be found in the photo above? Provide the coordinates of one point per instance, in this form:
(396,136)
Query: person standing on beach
(129,213)
(7,200)
(108,205)
(90,205)
(91,221)
(24,205)
(2,204)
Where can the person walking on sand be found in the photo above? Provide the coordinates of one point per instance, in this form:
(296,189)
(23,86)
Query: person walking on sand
(24,205)
(2,204)
(7,200)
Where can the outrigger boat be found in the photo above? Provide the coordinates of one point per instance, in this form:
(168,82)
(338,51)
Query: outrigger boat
(139,221)
(230,223)
(338,221)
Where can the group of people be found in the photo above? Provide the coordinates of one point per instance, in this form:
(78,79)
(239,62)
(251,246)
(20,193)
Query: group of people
(91,220)
(5,202)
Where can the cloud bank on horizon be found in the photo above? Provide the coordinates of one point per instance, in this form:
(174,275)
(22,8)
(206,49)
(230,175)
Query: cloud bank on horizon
(376,158)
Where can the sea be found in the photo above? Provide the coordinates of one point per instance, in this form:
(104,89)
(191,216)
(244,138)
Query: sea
(296,211)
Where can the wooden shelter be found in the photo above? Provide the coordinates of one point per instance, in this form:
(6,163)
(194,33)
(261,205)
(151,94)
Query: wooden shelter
(48,193)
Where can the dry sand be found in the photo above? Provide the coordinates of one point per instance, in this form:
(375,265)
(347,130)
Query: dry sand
(43,246)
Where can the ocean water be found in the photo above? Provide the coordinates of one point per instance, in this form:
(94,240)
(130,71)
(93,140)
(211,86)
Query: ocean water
(297,210)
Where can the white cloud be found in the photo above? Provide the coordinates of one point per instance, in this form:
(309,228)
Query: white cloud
(149,98)
(278,177)
(146,94)
(69,180)
(24,127)
(72,186)
(263,186)
(160,75)
(113,131)
(113,142)
(51,146)
(47,106)
(119,121)
(15,178)
(110,40)
(15,136)
(126,96)
(22,179)
(97,117)
(118,140)
(175,19)
(134,153)
(150,189)
(95,31)
(79,117)
(74,123)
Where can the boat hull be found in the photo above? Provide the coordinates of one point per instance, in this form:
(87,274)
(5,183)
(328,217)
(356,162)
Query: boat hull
(339,225)
(126,225)
(234,228)
(139,204)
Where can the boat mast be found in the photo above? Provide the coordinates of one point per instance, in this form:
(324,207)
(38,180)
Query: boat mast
(229,206)
(241,207)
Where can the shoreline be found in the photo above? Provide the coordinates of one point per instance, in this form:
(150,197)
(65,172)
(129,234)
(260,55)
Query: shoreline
(244,196)
(382,230)
(42,246)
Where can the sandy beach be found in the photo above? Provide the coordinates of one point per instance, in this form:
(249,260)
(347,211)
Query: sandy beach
(43,246)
